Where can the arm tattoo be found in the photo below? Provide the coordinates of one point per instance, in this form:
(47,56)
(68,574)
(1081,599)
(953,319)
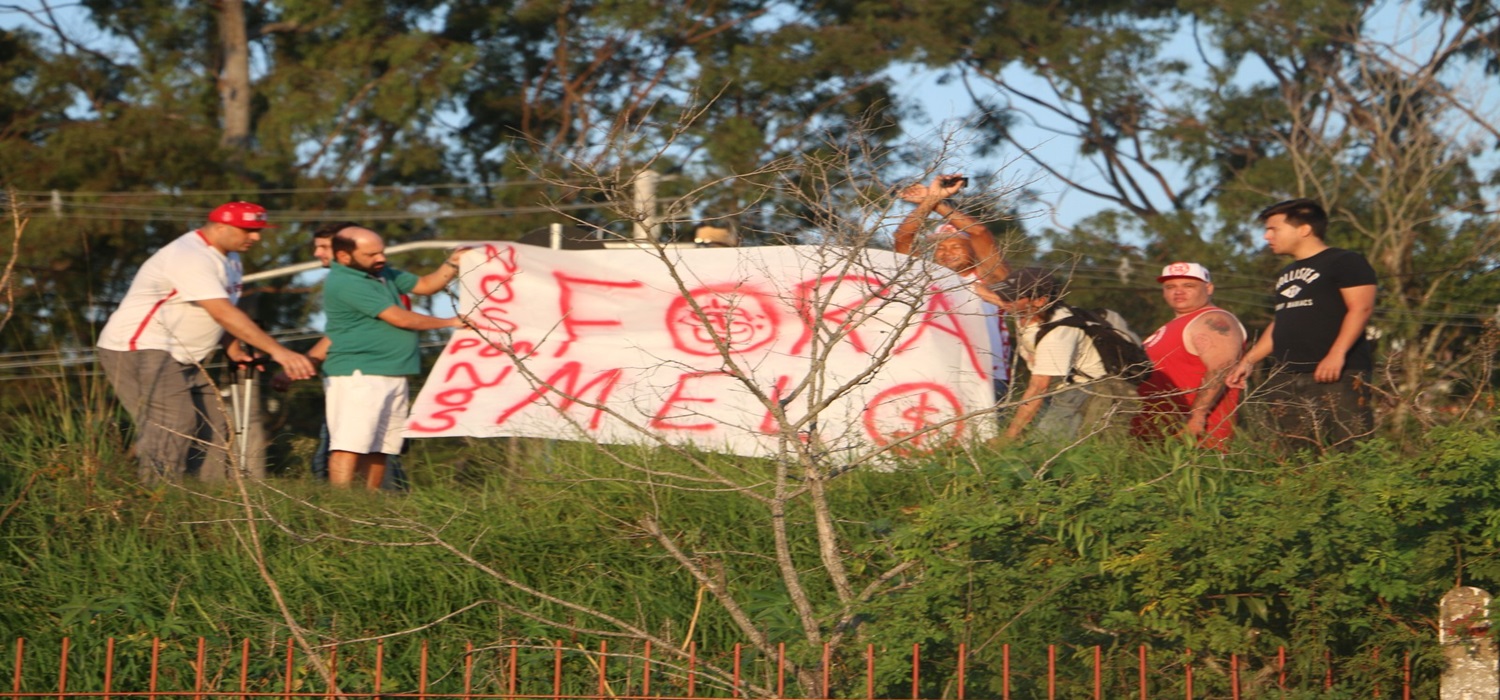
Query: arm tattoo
(1218,324)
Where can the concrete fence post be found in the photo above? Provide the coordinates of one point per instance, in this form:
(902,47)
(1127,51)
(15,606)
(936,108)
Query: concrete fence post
(1471,671)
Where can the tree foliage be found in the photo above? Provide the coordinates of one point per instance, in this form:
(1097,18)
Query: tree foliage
(1190,117)
(420,112)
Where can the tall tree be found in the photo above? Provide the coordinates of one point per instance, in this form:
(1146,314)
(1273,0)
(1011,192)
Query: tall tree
(391,109)
(234,80)
(732,85)
(133,103)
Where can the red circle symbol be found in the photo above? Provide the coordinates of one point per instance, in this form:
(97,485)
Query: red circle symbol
(742,319)
(920,415)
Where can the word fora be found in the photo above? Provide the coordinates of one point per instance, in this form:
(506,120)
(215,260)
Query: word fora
(738,317)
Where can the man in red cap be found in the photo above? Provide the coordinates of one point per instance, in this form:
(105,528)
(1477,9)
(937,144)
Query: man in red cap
(1190,358)
(174,315)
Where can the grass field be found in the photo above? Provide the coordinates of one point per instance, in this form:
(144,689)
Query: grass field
(526,542)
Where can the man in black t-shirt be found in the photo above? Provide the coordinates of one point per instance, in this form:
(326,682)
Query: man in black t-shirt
(1319,385)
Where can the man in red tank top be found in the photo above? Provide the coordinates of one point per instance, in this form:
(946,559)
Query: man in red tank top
(1191,356)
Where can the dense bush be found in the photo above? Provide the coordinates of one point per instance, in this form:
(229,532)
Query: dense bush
(1339,559)
(1185,551)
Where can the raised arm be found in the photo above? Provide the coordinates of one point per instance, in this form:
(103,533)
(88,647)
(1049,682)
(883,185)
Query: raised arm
(434,282)
(906,233)
(927,198)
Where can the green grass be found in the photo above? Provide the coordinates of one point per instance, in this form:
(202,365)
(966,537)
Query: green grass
(1118,546)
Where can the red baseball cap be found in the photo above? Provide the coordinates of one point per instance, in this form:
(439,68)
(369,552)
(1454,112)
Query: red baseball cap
(241,215)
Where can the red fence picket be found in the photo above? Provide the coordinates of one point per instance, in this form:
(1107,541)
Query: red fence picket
(504,678)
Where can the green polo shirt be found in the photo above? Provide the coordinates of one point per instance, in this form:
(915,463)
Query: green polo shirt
(361,341)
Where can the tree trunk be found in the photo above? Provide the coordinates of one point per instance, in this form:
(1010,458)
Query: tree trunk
(234,80)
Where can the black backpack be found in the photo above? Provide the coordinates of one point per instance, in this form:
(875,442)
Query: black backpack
(1122,354)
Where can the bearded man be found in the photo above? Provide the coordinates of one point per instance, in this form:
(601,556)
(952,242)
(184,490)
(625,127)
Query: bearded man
(373,347)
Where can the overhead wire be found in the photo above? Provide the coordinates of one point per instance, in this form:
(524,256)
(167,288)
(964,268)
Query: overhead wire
(488,185)
(128,213)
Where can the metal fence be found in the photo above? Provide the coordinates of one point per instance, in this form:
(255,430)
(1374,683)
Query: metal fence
(170,670)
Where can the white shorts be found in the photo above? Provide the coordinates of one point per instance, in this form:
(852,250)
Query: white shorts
(366,413)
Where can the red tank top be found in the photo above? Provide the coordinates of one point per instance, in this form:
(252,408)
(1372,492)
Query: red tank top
(1169,389)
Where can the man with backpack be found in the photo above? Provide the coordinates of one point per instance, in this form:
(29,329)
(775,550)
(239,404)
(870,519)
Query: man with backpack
(1081,361)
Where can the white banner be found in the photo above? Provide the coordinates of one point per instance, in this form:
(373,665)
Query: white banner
(698,345)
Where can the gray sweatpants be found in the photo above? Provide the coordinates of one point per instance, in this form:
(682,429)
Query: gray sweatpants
(179,419)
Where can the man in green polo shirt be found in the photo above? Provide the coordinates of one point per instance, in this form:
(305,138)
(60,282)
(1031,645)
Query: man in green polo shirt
(373,349)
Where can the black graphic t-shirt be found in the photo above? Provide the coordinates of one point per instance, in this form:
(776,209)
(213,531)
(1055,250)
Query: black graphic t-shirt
(1310,308)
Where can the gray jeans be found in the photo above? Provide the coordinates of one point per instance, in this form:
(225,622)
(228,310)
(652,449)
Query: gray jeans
(1083,409)
(179,418)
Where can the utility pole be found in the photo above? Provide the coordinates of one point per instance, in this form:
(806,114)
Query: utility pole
(647,226)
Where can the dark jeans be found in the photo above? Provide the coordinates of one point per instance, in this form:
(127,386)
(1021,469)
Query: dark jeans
(395,476)
(1305,413)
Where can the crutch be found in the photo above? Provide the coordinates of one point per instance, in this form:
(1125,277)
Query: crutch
(242,402)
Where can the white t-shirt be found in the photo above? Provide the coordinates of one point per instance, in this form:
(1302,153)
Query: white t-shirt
(1063,350)
(157,312)
(994,322)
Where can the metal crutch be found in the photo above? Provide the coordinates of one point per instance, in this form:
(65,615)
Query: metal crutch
(242,401)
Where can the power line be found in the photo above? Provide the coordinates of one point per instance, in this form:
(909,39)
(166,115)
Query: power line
(194,215)
(49,195)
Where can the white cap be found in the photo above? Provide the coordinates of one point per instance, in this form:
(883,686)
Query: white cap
(1185,269)
(947,230)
